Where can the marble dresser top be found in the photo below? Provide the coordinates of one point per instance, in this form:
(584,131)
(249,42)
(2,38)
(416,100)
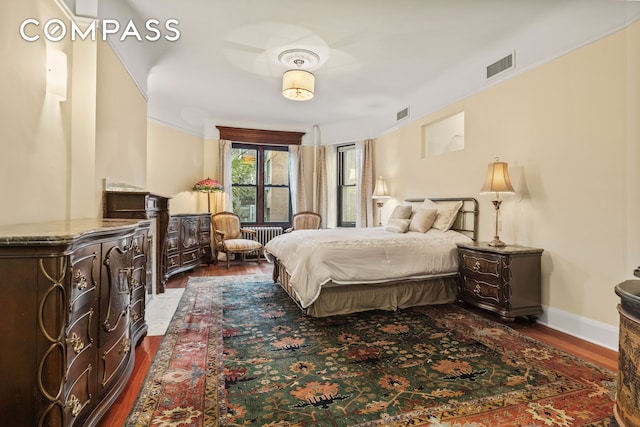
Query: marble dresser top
(59,232)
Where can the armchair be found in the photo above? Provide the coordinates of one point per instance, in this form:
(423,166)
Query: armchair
(227,237)
(305,220)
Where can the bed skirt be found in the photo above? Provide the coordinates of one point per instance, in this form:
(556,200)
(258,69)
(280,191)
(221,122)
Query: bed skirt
(345,299)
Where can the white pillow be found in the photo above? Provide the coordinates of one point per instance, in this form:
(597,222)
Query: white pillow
(422,220)
(401,211)
(447,212)
(398,225)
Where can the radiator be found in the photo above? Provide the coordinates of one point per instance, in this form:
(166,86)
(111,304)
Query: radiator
(264,234)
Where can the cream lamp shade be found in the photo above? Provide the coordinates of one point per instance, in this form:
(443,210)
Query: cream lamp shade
(497,180)
(380,191)
(298,85)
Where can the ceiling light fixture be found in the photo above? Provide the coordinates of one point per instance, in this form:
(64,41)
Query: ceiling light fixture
(298,84)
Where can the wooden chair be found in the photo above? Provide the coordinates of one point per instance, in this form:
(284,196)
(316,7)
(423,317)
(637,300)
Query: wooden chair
(228,238)
(305,220)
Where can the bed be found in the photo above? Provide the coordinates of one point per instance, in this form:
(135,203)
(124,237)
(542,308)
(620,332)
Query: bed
(345,270)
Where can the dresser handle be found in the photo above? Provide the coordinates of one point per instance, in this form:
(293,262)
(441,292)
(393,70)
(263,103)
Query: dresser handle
(476,266)
(81,281)
(75,405)
(477,289)
(76,343)
(125,345)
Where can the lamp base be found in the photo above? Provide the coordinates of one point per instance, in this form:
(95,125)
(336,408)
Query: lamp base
(380,204)
(497,243)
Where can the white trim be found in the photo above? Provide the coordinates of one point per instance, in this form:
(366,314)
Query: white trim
(599,333)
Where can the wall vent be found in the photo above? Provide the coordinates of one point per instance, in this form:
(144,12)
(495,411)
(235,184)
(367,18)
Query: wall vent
(402,114)
(501,65)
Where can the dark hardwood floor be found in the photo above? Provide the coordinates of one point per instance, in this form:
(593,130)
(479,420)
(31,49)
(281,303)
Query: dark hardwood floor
(146,350)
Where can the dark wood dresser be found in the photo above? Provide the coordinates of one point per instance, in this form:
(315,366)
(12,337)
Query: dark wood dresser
(73,306)
(504,280)
(143,205)
(188,243)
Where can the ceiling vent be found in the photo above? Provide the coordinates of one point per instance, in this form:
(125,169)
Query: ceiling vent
(402,114)
(504,64)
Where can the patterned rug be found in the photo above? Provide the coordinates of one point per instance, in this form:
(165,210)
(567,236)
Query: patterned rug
(238,352)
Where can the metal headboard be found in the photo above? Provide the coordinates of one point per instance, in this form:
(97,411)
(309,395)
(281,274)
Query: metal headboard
(467,219)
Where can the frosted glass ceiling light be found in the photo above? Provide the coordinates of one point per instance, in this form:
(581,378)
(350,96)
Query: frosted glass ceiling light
(298,84)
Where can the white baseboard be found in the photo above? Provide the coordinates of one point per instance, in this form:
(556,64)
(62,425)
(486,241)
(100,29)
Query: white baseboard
(584,328)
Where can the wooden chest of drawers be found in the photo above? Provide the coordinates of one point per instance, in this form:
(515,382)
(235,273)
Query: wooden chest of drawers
(188,242)
(72,311)
(503,280)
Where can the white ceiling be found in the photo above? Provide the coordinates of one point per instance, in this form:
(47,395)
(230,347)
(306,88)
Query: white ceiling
(376,56)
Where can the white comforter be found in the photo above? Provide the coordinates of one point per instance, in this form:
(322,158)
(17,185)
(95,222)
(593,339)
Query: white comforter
(314,258)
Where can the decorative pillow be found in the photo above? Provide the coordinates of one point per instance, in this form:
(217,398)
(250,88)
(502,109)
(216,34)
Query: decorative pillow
(447,212)
(423,219)
(401,211)
(398,225)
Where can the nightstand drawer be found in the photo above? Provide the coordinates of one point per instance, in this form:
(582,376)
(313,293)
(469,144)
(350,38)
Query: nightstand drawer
(481,264)
(482,290)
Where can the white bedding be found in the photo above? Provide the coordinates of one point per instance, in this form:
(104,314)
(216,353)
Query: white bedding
(317,258)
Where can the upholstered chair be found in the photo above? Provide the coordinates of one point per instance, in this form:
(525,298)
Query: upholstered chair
(305,220)
(228,237)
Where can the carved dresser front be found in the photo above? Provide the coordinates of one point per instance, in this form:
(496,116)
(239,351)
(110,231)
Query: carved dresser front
(72,310)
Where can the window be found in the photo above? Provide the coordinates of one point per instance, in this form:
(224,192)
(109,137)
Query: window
(260,184)
(347,196)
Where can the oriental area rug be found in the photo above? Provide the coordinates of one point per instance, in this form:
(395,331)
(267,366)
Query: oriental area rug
(239,352)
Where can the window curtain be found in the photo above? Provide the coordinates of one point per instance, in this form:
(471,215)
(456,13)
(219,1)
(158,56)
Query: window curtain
(224,171)
(327,184)
(296,180)
(364,162)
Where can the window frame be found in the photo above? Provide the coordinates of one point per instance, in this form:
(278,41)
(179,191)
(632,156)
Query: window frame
(260,184)
(341,149)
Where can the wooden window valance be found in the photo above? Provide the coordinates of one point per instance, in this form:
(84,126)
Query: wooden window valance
(258,136)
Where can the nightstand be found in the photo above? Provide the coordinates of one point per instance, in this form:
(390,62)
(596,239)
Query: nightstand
(504,280)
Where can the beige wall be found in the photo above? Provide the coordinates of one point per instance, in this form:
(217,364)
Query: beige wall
(34,126)
(563,129)
(175,163)
(121,124)
(55,155)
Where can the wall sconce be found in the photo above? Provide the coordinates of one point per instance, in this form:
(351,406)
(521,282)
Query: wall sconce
(380,194)
(497,182)
(57,73)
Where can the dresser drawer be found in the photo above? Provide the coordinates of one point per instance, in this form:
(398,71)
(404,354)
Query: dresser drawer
(481,264)
(205,238)
(137,306)
(139,247)
(79,395)
(80,336)
(191,257)
(172,244)
(85,273)
(113,357)
(173,262)
(173,226)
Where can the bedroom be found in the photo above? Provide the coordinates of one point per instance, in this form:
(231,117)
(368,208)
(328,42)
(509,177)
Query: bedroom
(568,129)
